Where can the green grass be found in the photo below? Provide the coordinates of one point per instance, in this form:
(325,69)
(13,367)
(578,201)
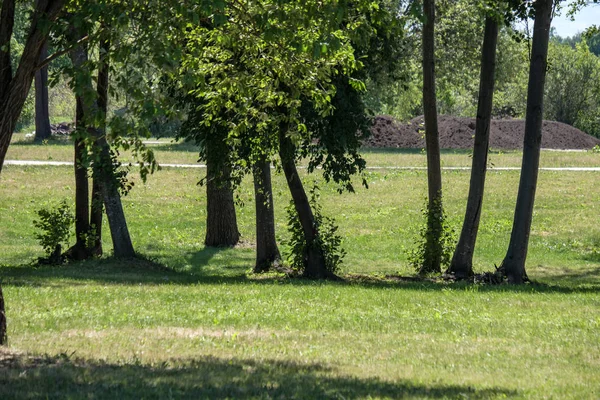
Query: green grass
(195,323)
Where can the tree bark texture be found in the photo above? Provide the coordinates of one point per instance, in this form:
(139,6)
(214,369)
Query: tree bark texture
(42,115)
(315,260)
(513,264)
(14,88)
(462,261)
(267,252)
(432,261)
(221,221)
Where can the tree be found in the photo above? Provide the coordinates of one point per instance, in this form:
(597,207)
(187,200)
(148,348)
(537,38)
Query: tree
(88,223)
(14,88)
(433,248)
(42,116)
(513,265)
(267,252)
(462,261)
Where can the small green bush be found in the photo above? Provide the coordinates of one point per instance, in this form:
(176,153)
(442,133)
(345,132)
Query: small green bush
(54,225)
(419,256)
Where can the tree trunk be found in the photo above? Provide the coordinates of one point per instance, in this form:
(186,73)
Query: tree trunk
(267,252)
(433,252)
(462,261)
(513,264)
(3,335)
(14,89)
(42,116)
(105,182)
(122,245)
(96,217)
(85,224)
(315,261)
(221,221)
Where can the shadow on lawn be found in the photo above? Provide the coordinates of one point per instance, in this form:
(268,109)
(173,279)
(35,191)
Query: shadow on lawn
(236,270)
(24,377)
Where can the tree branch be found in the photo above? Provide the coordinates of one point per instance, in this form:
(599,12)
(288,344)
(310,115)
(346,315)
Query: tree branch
(54,56)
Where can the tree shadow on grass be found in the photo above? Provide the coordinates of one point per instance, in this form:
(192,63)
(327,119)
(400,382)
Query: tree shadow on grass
(23,377)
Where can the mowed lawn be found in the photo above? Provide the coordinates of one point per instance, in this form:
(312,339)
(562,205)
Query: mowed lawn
(195,323)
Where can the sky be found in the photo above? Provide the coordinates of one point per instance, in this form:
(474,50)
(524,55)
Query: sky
(588,16)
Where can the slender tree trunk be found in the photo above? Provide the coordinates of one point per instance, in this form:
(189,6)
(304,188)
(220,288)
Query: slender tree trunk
(432,261)
(3,335)
(42,116)
(221,221)
(514,261)
(267,252)
(96,217)
(119,232)
(462,261)
(86,223)
(315,261)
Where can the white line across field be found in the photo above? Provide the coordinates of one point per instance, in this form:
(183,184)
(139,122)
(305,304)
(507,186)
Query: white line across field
(69,163)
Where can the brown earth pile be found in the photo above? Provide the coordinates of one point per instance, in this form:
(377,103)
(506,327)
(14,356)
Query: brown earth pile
(457,133)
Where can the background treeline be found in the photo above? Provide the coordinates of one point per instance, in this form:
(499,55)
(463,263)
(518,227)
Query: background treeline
(572,88)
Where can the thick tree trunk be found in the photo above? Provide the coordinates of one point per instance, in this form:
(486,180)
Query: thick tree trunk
(514,261)
(432,261)
(267,252)
(14,89)
(221,221)
(42,116)
(315,261)
(3,335)
(462,260)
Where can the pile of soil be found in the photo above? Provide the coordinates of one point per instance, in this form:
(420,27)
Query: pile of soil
(62,129)
(458,133)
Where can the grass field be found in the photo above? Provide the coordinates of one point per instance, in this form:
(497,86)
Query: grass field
(195,323)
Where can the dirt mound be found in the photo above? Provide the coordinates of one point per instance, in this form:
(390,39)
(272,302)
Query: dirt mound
(457,133)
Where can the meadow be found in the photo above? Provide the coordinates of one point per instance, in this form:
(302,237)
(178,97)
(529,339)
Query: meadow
(193,322)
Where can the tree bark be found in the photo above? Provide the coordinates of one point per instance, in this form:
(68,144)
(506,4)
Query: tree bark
(267,252)
(119,232)
(433,252)
(85,224)
(96,217)
(42,116)
(3,336)
(462,261)
(513,264)
(14,89)
(221,221)
(314,258)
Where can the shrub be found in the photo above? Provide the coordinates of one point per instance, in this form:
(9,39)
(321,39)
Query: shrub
(419,256)
(55,229)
